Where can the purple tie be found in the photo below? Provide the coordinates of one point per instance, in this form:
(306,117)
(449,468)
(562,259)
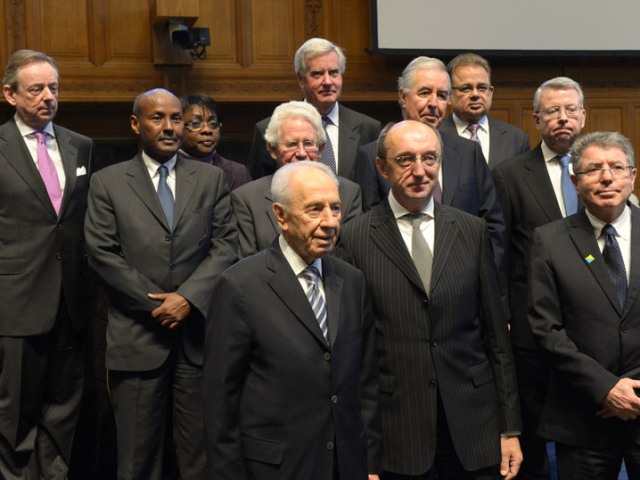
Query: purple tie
(48,172)
(473,130)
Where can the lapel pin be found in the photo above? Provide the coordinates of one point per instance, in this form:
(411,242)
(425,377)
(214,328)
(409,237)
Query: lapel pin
(589,258)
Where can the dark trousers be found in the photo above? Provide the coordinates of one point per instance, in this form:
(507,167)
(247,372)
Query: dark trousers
(140,401)
(41,380)
(576,463)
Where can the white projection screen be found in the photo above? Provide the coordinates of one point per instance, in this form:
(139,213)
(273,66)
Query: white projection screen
(534,27)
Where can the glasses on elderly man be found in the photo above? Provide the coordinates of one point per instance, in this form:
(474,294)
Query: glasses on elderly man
(197,125)
(616,171)
(406,161)
(572,111)
(307,145)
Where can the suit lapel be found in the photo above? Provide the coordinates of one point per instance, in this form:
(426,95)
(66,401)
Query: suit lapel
(185,183)
(537,179)
(333,292)
(348,142)
(497,144)
(69,154)
(446,230)
(634,277)
(139,181)
(585,241)
(450,169)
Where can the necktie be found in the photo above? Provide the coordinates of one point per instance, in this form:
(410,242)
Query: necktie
(165,196)
(420,251)
(569,194)
(615,264)
(328,157)
(48,171)
(473,130)
(312,276)
(437,193)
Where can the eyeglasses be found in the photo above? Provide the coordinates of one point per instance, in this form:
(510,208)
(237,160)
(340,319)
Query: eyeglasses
(572,111)
(197,125)
(307,145)
(406,161)
(466,89)
(616,171)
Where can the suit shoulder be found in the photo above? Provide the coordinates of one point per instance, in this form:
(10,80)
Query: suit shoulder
(559,226)
(513,165)
(357,117)
(505,125)
(253,188)
(473,221)
(115,170)
(263,124)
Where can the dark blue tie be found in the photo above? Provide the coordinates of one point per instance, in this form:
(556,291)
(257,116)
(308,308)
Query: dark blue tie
(568,190)
(328,156)
(165,196)
(615,264)
(312,276)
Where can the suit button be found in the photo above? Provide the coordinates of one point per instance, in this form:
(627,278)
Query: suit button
(331,445)
(432,384)
(326,356)
(172,266)
(59,227)
(58,256)
(167,238)
(623,329)
(434,344)
(334,399)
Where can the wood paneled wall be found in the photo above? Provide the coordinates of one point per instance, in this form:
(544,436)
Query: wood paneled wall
(105,51)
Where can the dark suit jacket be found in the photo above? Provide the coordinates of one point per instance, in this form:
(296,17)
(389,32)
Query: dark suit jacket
(236,173)
(281,403)
(467,184)
(257,225)
(577,322)
(505,140)
(452,341)
(132,249)
(528,201)
(41,254)
(355,129)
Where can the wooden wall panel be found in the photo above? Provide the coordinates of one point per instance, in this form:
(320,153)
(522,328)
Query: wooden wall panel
(221,18)
(128,31)
(62,31)
(274,37)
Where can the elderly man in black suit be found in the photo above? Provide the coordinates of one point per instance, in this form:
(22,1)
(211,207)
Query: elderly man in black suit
(295,133)
(159,231)
(584,311)
(319,66)
(470,101)
(291,381)
(532,188)
(464,179)
(447,384)
(44,172)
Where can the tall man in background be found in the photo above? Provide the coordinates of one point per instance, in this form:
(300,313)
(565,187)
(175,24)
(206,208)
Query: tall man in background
(44,172)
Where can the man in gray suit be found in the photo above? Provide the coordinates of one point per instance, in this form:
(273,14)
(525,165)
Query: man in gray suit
(447,384)
(159,231)
(319,66)
(295,133)
(44,171)
(584,311)
(470,101)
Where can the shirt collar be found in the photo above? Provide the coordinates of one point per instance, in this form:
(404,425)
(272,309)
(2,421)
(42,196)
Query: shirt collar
(153,165)
(399,211)
(25,129)
(294,260)
(461,125)
(333,114)
(622,224)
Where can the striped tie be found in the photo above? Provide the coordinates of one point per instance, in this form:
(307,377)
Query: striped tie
(312,276)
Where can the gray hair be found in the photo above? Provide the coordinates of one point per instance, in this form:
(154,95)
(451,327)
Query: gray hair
(315,47)
(557,83)
(468,60)
(23,58)
(281,181)
(294,109)
(138,100)
(405,81)
(601,139)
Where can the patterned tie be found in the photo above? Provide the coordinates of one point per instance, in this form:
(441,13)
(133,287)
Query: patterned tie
(615,264)
(165,196)
(328,157)
(48,171)
(569,194)
(420,251)
(473,130)
(437,193)
(312,276)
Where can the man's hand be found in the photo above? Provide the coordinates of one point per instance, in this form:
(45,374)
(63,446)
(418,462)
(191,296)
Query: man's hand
(621,401)
(172,311)
(511,457)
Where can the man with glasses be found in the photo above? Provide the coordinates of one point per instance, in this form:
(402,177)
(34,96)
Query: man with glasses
(470,101)
(447,382)
(294,133)
(584,312)
(202,123)
(534,189)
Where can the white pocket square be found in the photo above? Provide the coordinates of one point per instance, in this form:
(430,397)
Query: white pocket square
(81,171)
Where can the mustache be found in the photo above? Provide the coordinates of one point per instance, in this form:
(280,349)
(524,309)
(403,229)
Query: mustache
(168,137)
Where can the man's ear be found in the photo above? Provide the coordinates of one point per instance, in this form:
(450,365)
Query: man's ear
(382,167)
(9,94)
(281,216)
(135,124)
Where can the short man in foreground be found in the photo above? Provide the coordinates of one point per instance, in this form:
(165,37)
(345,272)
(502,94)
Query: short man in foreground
(584,311)
(44,179)
(294,134)
(159,231)
(447,384)
(290,370)
(470,101)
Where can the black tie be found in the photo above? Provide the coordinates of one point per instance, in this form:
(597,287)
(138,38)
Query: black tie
(615,264)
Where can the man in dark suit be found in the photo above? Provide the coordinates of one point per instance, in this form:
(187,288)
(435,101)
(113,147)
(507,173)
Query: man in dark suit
(290,370)
(447,384)
(464,179)
(295,133)
(201,138)
(44,172)
(470,101)
(158,258)
(319,66)
(531,194)
(584,311)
